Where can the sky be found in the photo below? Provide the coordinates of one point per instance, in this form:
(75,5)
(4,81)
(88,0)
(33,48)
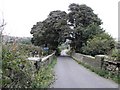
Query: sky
(21,15)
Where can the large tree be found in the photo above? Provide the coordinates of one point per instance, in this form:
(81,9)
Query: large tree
(79,25)
(52,31)
(85,24)
(82,15)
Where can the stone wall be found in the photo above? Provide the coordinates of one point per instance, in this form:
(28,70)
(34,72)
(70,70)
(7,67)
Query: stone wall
(89,60)
(102,62)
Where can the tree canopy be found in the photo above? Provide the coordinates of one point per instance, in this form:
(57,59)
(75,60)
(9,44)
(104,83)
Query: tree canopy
(79,25)
(51,32)
(82,15)
(85,22)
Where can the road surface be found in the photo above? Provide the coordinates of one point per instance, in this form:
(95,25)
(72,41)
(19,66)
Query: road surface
(69,74)
(64,52)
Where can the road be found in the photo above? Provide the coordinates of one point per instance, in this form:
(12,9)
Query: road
(69,74)
(64,52)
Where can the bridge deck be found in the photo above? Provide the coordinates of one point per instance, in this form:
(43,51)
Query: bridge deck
(70,74)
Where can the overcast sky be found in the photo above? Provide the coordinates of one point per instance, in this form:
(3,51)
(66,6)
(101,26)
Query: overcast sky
(21,15)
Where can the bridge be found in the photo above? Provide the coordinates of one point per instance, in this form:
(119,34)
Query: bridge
(70,74)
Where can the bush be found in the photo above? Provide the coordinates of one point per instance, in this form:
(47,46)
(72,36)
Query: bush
(100,44)
(14,71)
(118,55)
(57,53)
(45,76)
(17,72)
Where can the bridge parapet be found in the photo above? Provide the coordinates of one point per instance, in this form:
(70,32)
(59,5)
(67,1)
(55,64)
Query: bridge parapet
(100,62)
(37,62)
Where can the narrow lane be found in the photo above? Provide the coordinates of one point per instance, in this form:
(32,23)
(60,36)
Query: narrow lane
(70,74)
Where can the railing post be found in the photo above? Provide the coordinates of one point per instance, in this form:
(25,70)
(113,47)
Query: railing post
(102,62)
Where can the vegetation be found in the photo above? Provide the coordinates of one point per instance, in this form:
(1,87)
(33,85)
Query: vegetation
(11,39)
(45,76)
(101,44)
(25,40)
(13,62)
(81,26)
(50,32)
(85,25)
(118,51)
(17,72)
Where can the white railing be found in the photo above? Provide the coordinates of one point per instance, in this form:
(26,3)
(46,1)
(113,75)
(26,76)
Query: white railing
(38,62)
(45,58)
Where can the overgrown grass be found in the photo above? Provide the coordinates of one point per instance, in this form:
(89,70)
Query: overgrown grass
(45,76)
(100,72)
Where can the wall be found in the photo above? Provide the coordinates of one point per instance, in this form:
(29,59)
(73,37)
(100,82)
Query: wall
(102,62)
(37,62)
(89,60)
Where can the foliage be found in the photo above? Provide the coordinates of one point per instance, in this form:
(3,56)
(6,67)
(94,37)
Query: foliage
(82,15)
(45,76)
(17,72)
(50,32)
(85,24)
(10,39)
(80,25)
(25,40)
(83,34)
(118,55)
(118,50)
(57,53)
(13,74)
(100,44)
(114,53)
(54,30)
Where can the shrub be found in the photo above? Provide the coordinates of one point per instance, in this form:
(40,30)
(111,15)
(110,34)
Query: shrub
(100,44)
(17,72)
(44,77)
(57,52)
(13,74)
